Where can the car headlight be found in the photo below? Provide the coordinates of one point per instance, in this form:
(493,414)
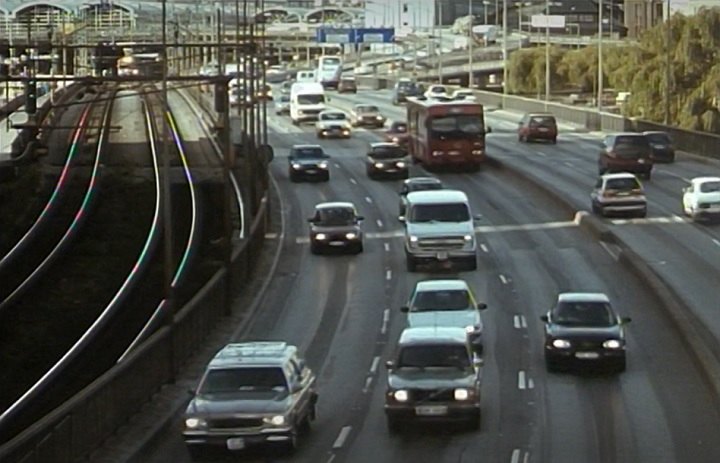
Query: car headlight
(195,423)
(379,165)
(395,140)
(477,152)
(437,153)
(351,235)
(296,165)
(379,118)
(401,164)
(461,394)
(401,395)
(413,239)
(561,343)
(472,329)
(323,165)
(468,238)
(612,344)
(320,236)
(276,420)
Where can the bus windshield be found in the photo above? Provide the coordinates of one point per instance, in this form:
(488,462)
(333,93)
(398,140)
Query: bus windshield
(456,126)
(330,63)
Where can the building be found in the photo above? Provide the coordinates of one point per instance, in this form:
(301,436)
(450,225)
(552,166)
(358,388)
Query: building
(641,15)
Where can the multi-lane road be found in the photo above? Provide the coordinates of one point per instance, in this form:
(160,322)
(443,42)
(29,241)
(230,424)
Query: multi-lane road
(343,311)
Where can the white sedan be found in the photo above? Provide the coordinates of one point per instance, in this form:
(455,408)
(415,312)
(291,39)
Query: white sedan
(333,123)
(437,91)
(701,200)
(464,94)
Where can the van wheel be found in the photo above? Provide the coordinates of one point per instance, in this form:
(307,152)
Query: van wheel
(554,141)
(410,263)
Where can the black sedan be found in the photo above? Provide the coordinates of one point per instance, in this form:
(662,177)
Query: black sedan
(308,162)
(386,159)
(583,330)
(417,184)
(336,226)
(663,149)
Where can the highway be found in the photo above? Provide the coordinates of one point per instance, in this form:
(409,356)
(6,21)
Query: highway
(343,311)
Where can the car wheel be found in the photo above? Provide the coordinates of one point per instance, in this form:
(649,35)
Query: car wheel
(620,365)
(295,122)
(647,175)
(595,208)
(474,421)
(393,425)
(319,135)
(642,214)
(551,366)
(471,264)
(292,443)
(327,177)
(554,141)
(358,248)
(304,427)
(293,177)
(410,263)
(315,249)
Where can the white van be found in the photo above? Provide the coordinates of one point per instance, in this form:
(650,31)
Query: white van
(306,76)
(307,100)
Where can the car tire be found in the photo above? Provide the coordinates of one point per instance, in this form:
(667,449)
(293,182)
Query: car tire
(393,424)
(551,366)
(315,249)
(475,421)
(292,444)
(554,141)
(647,175)
(620,365)
(410,263)
(642,214)
(319,135)
(293,177)
(295,122)
(326,178)
(471,264)
(358,248)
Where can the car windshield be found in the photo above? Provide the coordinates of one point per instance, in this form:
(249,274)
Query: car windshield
(710,187)
(307,153)
(387,152)
(545,121)
(425,186)
(311,99)
(247,380)
(366,109)
(437,355)
(438,90)
(406,86)
(456,127)
(335,216)
(622,184)
(284,98)
(658,138)
(347,82)
(631,147)
(454,212)
(400,128)
(333,116)
(330,63)
(457,299)
(595,314)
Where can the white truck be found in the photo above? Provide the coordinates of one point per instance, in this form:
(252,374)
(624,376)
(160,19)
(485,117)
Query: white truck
(307,101)
(485,33)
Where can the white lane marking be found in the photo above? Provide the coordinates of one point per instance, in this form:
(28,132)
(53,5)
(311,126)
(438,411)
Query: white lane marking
(386,319)
(388,275)
(671,174)
(568,164)
(484,248)
(519,321)
(651,220)
(540,153)
(331,459)
(579,216)
(515,457)
(368,199)
(271,236)
(353,181)
(504,279)
(338,166)
(524,382)
(374,365)
(342,437)
(387,247)
(379,223)
(368,382)
(612,249)
(716,241)
(524,227)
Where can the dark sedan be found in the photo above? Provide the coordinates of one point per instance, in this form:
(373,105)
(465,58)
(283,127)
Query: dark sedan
(397,133)
(417,184)
(335,225)
(386,159)
(583,330)
(308,161)
(662,146)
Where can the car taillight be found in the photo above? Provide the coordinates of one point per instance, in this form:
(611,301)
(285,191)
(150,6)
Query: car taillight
(637,191)
(608,193)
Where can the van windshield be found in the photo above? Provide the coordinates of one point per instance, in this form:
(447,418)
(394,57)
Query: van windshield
(453,212)
(456,127)
(310,99)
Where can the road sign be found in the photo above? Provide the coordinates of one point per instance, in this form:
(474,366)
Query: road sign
(544,21)
(337,38)
(375,35)
(354,35)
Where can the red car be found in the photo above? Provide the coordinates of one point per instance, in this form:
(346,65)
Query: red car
(538,126)
(397,133)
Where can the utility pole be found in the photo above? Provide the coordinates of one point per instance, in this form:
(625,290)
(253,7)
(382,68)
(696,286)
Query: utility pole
(547,51)
(600,59)
(438,10)
(668,74)
(470,42)
(505,52)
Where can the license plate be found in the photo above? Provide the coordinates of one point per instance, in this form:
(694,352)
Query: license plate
(431,410)
(235,443)
(587,355)
(337,243)
(442,255)
(641,161)
(543,129)
(311,171)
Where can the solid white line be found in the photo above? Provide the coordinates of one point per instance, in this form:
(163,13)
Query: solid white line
(331,459)
(344,432)
(386,246)
(338,166)
(531,383)
(352,180)
(374,365)
(516,321)
(386,319)
(503,279)
(368,382)
(368,199)
(515,457)
(379,223)
(568,164)
(388,275)
(540,153)
(521,379)
(484,248)
(716,241)
(614,253)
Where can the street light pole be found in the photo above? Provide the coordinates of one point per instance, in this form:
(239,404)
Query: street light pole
(504,51)
(668,37)
(600,59)
(547,50)
(470,44)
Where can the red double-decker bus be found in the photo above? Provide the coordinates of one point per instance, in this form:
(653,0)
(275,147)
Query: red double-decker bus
(446,133)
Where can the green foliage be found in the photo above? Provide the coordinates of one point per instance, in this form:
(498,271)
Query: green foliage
(642,69)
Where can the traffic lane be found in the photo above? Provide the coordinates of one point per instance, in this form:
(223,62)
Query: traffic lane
(554,268)
(666,240)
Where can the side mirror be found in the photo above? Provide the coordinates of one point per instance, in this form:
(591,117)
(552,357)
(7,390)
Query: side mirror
(326,156)
(625,320)
(403,193)
(359,218)
(488,130)
(478,362)
(404,309)
(477,217)
(482,306)
(311,220)
(544,318)
(686,189)
(401,218)
(389,364)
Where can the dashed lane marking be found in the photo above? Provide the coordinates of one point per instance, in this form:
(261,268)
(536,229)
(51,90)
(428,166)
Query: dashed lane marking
(386,319)
(342,437)
(519,322)
(504,279)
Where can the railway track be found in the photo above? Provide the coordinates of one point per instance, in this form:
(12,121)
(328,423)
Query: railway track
(107,247)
